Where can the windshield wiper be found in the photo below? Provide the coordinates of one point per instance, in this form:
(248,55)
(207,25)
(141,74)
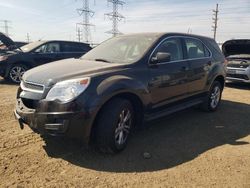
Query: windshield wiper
(103,60)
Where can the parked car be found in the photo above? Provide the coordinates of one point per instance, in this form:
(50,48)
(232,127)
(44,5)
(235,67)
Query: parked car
(15,62)
(118,84)
(237,53)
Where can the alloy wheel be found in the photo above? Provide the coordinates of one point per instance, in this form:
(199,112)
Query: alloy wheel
(16,73)
(123,127)
(215,96)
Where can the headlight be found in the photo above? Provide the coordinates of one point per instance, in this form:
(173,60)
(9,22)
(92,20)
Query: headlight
(2,58)
(68,89)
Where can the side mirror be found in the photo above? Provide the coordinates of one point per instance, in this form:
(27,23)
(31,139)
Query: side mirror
(161,57)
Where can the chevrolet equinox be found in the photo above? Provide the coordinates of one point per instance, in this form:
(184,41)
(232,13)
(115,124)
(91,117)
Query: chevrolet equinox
(119,84)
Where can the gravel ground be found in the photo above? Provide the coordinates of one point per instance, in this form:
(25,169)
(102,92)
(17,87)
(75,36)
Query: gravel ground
(188,149)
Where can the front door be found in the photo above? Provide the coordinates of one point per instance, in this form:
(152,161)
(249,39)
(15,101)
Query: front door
(168,81)
(47,53)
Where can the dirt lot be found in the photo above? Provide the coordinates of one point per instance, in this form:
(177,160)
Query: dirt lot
(189,149)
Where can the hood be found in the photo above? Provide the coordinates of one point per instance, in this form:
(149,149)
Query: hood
(236,47)
(51,73)
(6,40)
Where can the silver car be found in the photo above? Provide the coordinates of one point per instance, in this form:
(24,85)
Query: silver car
(237,53)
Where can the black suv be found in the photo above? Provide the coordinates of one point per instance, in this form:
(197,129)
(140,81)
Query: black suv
(15,62)
(120,83)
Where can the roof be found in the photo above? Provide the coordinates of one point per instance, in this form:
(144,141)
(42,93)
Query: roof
(161,34)
(45,41)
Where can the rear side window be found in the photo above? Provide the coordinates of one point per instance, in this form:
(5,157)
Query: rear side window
(196,49)
(84,47)
(74,47)
(173,47)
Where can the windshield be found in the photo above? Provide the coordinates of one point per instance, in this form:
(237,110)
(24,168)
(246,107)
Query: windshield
(31,46)
(122,49)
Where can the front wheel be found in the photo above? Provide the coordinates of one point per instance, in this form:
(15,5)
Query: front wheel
(114,125)
(16,72)
(213,98)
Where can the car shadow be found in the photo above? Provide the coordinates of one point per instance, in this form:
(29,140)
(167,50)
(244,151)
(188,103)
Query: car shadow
(171,141)
(6,82)
(238,85)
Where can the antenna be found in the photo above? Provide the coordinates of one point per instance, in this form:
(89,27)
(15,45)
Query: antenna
(115,16)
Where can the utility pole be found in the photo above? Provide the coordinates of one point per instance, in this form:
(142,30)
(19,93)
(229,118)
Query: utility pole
(215,20)
(28,38)
(6,26)
(86,13)
(78,33)
(115,16)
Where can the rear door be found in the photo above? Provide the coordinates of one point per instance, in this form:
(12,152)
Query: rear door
(199,58)
(168,79)
(73,49)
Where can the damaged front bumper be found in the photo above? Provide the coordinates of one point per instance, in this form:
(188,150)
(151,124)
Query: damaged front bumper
(60,123)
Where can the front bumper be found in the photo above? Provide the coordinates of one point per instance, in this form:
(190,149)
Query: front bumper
(61,123)
(238,74)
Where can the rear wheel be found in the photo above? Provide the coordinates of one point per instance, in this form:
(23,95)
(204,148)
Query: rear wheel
(114,125)
(213,98)
(16,72)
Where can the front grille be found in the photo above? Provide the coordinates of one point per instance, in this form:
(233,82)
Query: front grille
(240,76)
(28,86)
(238,65)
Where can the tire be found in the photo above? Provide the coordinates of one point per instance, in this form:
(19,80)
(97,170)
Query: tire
(16,72)
(114,125)
(213,98)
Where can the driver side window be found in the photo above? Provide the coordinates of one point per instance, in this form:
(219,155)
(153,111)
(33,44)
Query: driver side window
(173,47)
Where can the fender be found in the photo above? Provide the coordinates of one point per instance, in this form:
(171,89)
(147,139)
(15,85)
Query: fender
(216,70)
(119,84)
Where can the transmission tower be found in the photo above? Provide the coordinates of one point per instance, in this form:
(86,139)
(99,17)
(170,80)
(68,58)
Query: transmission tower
(86,13)
(6,26)
(215,20)
(115,16)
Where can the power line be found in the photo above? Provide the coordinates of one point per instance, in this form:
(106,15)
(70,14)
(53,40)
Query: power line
(215,20)
(86,13)
(6,26)
(115,16)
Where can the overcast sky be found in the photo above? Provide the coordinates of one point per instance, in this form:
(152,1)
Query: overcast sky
(56,19)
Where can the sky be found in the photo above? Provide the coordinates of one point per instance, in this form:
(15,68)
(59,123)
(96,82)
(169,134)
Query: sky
(56,19)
